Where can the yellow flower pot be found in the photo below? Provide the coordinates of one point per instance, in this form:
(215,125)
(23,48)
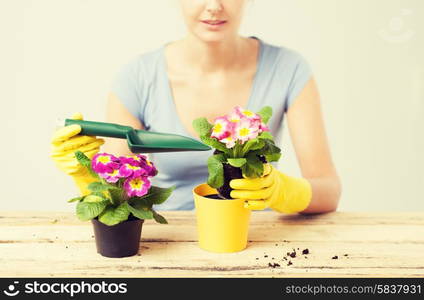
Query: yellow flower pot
(222,225)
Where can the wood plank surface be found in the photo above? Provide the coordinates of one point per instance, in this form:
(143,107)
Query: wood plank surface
(57,244)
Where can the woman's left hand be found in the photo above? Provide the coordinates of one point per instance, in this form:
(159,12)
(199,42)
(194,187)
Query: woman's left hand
(275,190)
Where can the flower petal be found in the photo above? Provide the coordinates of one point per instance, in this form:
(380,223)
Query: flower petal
(137,186)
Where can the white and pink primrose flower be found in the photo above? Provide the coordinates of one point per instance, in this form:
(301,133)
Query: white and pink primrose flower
(240,125)
(222,128)
(234,116)
(229,141)
(246,130)
(246,114)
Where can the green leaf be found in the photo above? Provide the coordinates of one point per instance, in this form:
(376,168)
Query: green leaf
(140,202)
(273,157)
(216,170)
(93,198)
(141,212)
(214,143)
(86,162)
(82,159)
(106,196)
(202,126)
(89,210)
(157,195)
(236,151)
(271,151)
(265,113)
(237,162)
(100,194)
(100,187)
(266,135)
(253,144)
(221,157)
(75,199)
(254,168)
(114,215)
(159,218)
(116,195)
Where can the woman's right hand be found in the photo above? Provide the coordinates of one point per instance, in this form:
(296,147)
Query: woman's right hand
(66,141)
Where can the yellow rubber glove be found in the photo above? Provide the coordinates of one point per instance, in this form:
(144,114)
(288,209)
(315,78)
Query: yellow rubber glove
(65,142)
(275,190)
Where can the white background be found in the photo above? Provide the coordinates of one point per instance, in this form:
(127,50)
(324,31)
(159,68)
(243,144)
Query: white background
(59,56)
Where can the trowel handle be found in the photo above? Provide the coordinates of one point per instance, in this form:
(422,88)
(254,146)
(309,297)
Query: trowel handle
(101,128)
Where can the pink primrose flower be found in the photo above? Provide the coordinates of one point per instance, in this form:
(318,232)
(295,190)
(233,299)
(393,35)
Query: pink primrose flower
(137,186)
(104,163)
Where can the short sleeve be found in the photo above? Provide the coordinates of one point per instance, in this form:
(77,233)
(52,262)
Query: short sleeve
(126,85)
(301,75)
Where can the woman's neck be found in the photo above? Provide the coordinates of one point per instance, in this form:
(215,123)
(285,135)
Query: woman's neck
(214,57)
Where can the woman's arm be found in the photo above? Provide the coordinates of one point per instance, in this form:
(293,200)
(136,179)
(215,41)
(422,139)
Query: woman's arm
(307,131)
(117,113)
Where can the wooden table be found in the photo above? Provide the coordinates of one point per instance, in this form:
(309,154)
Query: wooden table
(56,244)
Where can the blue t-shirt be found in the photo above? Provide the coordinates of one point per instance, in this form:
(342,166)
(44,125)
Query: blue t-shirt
(143,87)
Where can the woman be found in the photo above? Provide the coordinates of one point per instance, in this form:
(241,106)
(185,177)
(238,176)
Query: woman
(210,71)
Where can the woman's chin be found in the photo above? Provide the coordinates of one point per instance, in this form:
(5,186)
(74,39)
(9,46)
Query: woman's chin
(212,37)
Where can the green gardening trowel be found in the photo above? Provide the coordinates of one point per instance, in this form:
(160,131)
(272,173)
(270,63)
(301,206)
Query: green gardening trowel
(140,141)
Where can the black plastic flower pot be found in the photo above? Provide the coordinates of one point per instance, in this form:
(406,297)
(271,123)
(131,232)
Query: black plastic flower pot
(120,240)
(230,173)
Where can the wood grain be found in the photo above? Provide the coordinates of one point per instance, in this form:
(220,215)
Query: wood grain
(57,244)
